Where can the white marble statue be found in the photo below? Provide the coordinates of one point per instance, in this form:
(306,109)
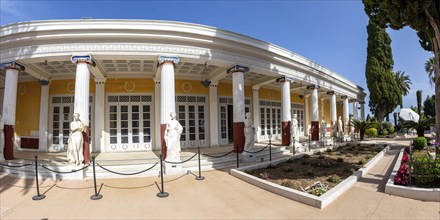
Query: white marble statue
(172,139)
(249,133)
(340,126)
(295,130)
(75,142)
(323,127)
(2,140)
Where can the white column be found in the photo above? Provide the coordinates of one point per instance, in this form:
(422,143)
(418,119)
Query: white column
(237,72)
(167,94)
(322,108)
(256,112)
(355,109)
(82,86)
(44,110)
(99,135)
(286,117)
(315,115)
(157,138)
(9,107)
(345,116)
(333,114)
(10,95)
(362,110)
(213,114)
(306,116)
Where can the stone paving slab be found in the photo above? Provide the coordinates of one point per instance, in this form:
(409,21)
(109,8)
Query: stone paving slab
(219,196)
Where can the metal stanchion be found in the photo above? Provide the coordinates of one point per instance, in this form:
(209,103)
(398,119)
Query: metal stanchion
(200,177)
(161,194)
(38,196)
(309,142)
(96,196)
(270,149)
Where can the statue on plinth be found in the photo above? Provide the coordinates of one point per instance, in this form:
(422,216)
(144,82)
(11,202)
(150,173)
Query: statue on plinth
(172,139)
(340,127)
(75,142)
(249,133)
(323,127)
(295,131)
(2,140)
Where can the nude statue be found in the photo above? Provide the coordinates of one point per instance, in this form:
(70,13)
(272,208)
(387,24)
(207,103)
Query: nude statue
(294,130)
(323,127)
(340,126)
(249,133)
(75,142)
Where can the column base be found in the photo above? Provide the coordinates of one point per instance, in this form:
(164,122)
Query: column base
(315,131)
(8,151)
(163,145)
(285,131)
(86,145)
(239,139)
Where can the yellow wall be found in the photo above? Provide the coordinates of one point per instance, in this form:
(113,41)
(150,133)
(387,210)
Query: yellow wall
(28,108)
(128,85)
(191,87)
(270,94)
(67,86)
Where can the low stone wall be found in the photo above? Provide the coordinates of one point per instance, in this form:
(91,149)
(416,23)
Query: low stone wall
(423,194)
(306,198)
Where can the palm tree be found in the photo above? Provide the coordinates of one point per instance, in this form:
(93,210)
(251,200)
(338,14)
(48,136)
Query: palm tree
(419,126)
(430,69)
(362,126)
(419,101)
(403,81)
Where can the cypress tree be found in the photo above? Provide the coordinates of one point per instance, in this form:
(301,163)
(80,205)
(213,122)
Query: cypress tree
(385,95)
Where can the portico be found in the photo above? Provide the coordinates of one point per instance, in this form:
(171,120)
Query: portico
(125,89)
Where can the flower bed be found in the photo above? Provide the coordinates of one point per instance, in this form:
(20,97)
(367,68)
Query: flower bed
(322,201)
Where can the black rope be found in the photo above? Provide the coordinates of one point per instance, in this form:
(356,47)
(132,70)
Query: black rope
(16,166)
(64,172)
(181,161)
(252,152)
(127,174)
(218,155)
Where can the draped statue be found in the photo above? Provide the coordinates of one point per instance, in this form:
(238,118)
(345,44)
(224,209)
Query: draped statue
(249,133)
(340,127)
(75,142)
(172,139)
(295,130)
(323,127)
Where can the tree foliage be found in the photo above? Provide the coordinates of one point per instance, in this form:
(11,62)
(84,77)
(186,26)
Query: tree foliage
(421,15)
(420,126)
(385,95)
(419,101)
(403,81)
(362,126)
(429,106)
(430,69)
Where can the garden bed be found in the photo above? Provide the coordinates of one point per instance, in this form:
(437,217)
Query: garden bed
(286,176)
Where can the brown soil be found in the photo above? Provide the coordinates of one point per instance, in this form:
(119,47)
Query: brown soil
(329,167)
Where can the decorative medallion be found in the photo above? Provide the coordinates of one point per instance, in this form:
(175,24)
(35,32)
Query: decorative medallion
(22,89)
(129,86)
(71,87)
(271,94)
(186,87)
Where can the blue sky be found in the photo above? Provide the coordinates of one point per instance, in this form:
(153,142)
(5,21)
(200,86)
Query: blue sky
(331,33)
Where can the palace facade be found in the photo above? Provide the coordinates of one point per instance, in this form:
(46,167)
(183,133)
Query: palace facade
(125,77)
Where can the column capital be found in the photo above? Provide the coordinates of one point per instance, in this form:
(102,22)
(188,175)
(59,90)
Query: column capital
(44,82)
(83,59)
(168,59)
(344,97)
(353,100)
(237,68)
(313,87)
(100,80)
(362,102)
(12,65)
(156,80)
(284,79)
(213,84)
(331,93)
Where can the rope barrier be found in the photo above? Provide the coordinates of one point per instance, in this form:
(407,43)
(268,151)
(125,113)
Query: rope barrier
(64,172)
(127,174)
(252,152)
(16,166)
(218,155)
(181,161)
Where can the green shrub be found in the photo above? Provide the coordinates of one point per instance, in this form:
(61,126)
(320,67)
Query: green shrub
(387,128)
(419,143)
(361,162)
(286,183)
(371,132)
(334,179)
(318,192)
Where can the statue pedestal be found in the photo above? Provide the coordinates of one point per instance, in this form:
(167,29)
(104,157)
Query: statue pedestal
(172,169)
(248,157)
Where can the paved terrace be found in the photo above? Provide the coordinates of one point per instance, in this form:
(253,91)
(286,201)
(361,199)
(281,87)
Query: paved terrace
(219,196)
